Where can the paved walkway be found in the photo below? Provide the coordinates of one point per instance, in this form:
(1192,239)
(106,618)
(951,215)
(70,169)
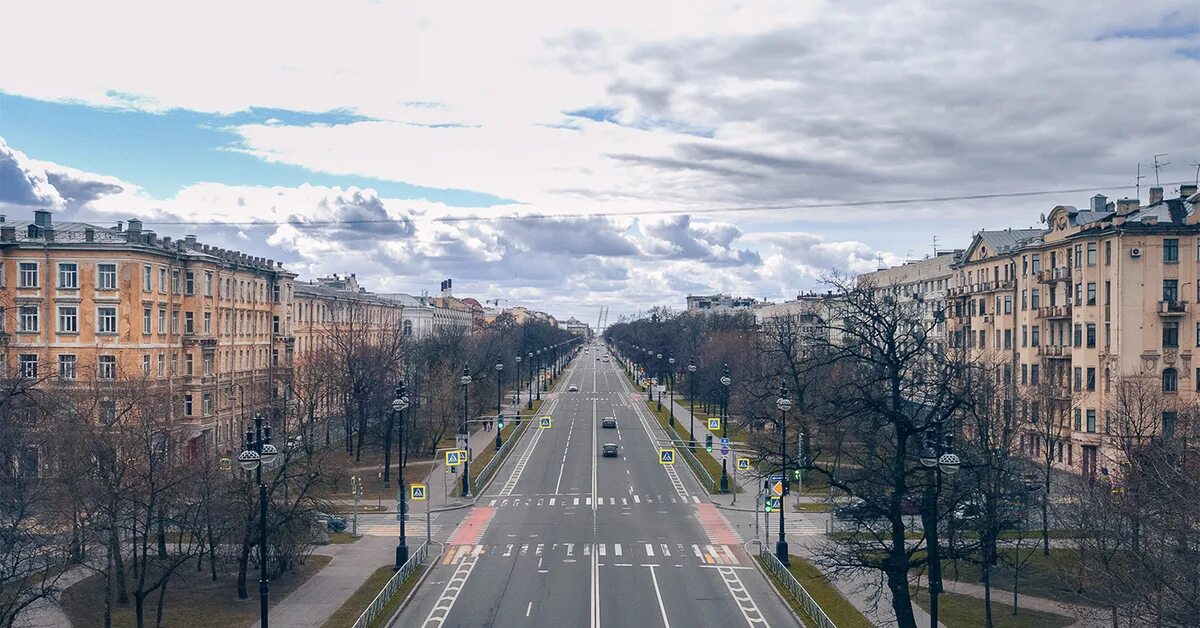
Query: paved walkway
(1087,616)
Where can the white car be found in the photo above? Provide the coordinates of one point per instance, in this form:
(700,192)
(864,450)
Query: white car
(572,388)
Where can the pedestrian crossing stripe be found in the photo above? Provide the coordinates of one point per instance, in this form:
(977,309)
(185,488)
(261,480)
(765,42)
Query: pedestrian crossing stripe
(572,502)
(702,553)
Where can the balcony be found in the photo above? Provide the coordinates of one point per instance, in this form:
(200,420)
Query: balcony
(1054,351)
(202,341)
(1055,311)
(287,340)
(1051,275)
(1168,309)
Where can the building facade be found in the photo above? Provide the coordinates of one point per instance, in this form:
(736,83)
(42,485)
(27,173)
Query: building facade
(83,304)
(1099,297)
(929,279)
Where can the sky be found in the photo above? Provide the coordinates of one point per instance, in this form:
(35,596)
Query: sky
(568,156)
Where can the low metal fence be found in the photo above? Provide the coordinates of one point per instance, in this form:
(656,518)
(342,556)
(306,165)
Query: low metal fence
(489,469)
(389,589)
(795,588)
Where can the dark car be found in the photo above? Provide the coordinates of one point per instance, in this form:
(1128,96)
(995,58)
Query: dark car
(857,510)
(610,450)
(609,422)
(333,523)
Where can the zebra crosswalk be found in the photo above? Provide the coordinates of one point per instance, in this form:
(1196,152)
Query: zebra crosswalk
(618,554)
(570,501)
(413,527)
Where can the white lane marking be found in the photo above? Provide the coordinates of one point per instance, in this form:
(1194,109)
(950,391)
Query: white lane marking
(520,468)
(528,609)
(595,590)
(750,611)
(649,549)
(658,594)
(637,500)
(441,609)
(616,549)
(552,501)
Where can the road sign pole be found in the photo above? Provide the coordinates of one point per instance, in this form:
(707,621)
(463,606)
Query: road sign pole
(757,502)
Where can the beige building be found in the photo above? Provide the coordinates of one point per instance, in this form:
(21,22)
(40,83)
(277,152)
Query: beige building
(1098,295)
(82,304)
(928,279)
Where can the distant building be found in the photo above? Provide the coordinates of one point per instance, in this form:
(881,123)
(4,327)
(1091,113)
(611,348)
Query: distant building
(929,279)
(719,303)
(577,327)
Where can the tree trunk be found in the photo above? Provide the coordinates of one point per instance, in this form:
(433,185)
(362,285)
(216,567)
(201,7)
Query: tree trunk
(162,594)
(114,544)
(212,553)
(108,592)
(897,582)
(987,592)
(162,534)
(1016,577)
(243,563)
(387,448)
(138,609)
(1046,511)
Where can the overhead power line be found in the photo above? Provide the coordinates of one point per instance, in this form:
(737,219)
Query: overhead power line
(660,212)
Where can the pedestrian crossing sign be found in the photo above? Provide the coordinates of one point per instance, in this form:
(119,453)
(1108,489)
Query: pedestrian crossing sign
(454,458)
(714,424)
(666,456)
(743,464)
(417,492)
(544,423)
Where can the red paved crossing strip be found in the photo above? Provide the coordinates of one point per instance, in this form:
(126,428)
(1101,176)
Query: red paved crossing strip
(472,528)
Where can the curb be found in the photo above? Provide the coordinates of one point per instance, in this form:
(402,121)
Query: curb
(416,587)
(733,508)
(774,586)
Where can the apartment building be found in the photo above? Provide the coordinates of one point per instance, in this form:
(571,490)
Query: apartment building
(334,309)
(82,304)
(1097,295)
(929,279)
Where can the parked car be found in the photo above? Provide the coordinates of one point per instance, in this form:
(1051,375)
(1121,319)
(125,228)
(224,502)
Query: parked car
(333,523)
(609,422)
(572,388)
(610,450)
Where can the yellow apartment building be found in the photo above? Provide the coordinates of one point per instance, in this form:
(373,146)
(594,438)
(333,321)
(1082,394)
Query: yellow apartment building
(81,303)
(1069,310)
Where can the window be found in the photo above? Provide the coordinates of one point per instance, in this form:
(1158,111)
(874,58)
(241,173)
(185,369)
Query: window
(68,276)
(108,411)
(162,279)
(1091,335)
(1091,378)
(161,364)
(275,292)
(1108,252)
(1091,254)
(29,318)
(106,276)
(1170,290)
(1078,427)
(1034,374)
(106,367)
(1168,423)
(162,321)
(1024,265)
(1024,374)
(1024,335)
(1171,250)
(208,283)
(66,367)
(207,363)
(28,275)
(189,323)
(1170,334)
(408,328)
(146,364)
(1170,380)
(174,282)
(1078,335)
(1079,294)
(187,405)
(68,319)
(1008,339)
(146,321)
(1008,305)
(206,404)
(147,278)
(1035,298)
(982,339)
(1091,420)
(1035,333)
(175,322)
(1078,255)
(1036,262)
(207,323)
(1091,293)
(1078,378)
(28,365)
(188,364)
(189,283)
(106,320)
(275,325)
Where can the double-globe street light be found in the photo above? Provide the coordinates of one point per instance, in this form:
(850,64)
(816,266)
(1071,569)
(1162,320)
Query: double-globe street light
(399,405)
(529,396)
(260,452)
(725,381)
(649,380)
(938,457)
(499,411)
(671,383)
(784,404)
(465,380)
(518,388)
(691,367)
(661,379)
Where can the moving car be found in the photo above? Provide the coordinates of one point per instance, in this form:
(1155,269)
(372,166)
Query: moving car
(609,422)
(572,388)
(610,450)
(333,523)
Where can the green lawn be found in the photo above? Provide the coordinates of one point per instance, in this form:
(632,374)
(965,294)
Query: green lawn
(841,612)
(193,599)
(354,606)
(812,507)
(964,611)
(1042,576)
(707,460)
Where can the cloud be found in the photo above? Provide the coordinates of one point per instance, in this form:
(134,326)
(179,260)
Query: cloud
(23,183)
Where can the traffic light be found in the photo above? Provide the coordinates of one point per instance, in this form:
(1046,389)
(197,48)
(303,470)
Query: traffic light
(500,422)
(796,474)
(708,443)
(787,486)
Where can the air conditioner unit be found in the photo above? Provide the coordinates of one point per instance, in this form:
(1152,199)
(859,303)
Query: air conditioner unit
(1135,251)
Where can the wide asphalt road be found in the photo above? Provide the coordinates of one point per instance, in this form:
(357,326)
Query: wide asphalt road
(564,537)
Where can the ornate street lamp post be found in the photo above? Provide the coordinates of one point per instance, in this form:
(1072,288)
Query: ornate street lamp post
(784,404)
(260,452)
(725,381)
(938,458)
(399,405)
(691,367)
(465,380)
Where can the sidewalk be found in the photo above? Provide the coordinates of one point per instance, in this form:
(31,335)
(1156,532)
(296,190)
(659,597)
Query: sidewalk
(1086,616)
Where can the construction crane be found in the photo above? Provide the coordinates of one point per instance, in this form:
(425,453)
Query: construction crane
(602,319)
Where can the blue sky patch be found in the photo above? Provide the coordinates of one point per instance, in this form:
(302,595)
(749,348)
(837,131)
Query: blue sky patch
(1173,26)
(164,152)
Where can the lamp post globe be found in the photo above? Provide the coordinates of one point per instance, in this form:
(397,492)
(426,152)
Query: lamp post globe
(268,454)
(949,463)
(928,457)
(249,459)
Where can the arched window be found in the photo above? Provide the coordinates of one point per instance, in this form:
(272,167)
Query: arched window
(1170,380)
(407,328)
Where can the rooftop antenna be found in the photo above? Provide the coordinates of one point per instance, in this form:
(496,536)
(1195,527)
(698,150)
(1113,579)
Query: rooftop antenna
(1158,166)
(1196,181)
(935,246)
(1138,179)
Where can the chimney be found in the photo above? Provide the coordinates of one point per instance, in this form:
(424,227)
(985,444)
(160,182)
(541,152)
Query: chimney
(42,218)
(1155,195)
(89,234)
(3,218)
(119,225)
(135,226)
(8,233)
(1099,203)
(1185,191)
(1127,206)
(191,240)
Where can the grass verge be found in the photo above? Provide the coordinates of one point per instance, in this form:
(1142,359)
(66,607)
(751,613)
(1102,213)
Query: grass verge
(813,507)
(841,612)
(193,599)
(707,460)
(1051,577)
(339,538)
(964,611)
(356,604)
